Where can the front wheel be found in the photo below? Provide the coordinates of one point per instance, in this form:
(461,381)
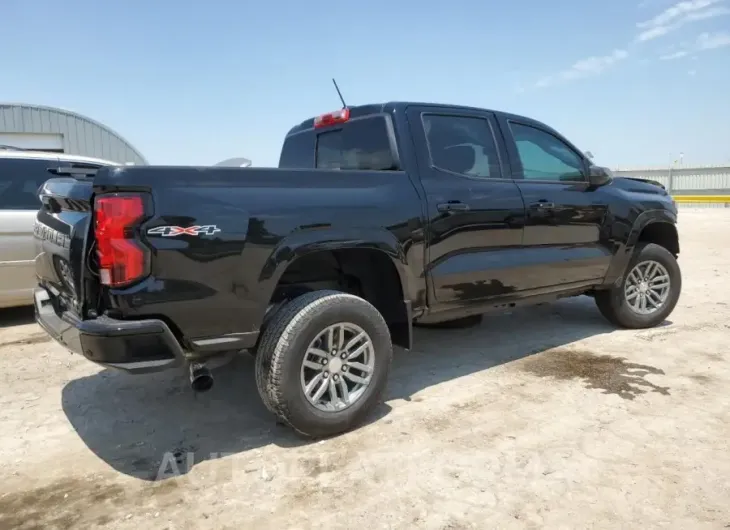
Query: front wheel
(647,294)
(323,362)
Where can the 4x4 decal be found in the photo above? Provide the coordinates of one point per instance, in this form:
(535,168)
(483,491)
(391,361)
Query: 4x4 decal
(171,231)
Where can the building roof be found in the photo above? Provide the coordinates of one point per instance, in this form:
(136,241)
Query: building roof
(7,108)
(62,157)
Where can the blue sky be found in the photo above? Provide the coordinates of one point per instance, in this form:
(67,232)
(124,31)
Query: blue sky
(190,82)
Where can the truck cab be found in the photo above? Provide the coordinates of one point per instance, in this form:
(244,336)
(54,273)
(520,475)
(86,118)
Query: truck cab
(512,210)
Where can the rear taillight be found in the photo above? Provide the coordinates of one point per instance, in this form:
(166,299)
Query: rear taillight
(122,259)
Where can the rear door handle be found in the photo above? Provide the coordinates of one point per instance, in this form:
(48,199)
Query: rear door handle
(542,205)
(453,206)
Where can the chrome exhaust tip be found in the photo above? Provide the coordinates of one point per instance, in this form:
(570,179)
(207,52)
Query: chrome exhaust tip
(201,380)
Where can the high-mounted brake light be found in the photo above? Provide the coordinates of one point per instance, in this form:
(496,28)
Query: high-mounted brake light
(332,118)
(122,260)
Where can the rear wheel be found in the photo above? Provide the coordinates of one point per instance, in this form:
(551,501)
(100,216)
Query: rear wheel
(323,362)
(648,292)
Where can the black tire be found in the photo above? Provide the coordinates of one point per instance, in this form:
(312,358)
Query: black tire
(281,352)
(612,303)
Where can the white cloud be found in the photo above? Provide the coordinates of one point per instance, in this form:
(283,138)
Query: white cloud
(670,19)
(711,41)
(675,55)
(708,13)
(677,10)
(588,67)
(677,16)
(653,33)
(703,42)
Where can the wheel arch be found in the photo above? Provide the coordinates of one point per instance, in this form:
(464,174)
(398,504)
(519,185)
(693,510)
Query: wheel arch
(662,233)
(653,226)
(374,257)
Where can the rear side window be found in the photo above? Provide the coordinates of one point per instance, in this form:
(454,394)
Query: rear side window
(359,144)
(463,145)
(298,151)
(20,180)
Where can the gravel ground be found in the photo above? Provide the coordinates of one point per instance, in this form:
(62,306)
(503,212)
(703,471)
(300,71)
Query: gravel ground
(545,417)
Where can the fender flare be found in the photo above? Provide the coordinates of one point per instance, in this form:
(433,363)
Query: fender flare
(645,219)
(304,242)
(623,255)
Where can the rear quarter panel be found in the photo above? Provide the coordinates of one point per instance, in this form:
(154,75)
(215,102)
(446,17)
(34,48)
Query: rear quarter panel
(220,284)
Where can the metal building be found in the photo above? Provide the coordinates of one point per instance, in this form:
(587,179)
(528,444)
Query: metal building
(693,187)
(40,128)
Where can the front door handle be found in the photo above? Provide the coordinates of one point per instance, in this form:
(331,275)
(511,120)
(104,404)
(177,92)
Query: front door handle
(452,206)
(542,205)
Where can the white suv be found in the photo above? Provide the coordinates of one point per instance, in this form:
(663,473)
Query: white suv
(21,175)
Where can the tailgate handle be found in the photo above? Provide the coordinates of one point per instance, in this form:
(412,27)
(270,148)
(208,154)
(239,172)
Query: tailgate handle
(51,204)
(453,206)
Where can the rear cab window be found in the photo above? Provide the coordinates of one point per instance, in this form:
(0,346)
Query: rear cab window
(20,179)
(362,143)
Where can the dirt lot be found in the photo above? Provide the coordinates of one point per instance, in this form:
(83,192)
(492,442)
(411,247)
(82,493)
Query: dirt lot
(546,417)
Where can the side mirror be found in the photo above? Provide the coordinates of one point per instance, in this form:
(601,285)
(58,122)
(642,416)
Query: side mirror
(598,176)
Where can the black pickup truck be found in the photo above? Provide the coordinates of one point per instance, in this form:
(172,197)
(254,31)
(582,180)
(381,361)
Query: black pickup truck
(378,217)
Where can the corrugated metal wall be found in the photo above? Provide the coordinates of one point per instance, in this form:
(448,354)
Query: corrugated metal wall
(81,135)
(686,180)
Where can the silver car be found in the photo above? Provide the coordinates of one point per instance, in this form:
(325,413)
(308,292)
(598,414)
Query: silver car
(21,175)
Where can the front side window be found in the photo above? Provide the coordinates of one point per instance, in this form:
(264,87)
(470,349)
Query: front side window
(463,145)
(362,144)
(544,156)
(20,180)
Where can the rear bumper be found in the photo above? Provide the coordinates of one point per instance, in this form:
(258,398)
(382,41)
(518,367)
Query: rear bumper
(135,346)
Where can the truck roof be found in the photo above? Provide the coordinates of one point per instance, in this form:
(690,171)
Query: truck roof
(395,106)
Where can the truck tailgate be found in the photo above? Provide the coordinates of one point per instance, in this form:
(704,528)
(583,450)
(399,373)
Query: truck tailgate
(60,232)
